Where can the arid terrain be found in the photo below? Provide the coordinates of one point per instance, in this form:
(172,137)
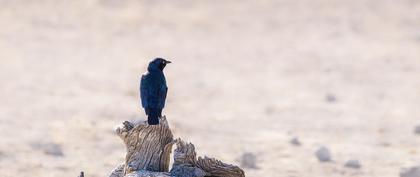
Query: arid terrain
(247,77)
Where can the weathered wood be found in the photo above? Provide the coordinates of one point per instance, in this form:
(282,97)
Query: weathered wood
(185,155)
(118,171)
(148,146)
(144,173)
(148,153)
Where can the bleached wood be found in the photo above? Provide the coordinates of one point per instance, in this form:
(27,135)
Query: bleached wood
(148,146)
(144,173)
(185,155)
(148,152)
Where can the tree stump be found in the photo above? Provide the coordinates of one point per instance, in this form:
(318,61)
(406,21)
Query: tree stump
(148,146)
(148,152)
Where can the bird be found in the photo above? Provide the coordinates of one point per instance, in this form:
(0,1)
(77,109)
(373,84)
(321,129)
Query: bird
(153,90)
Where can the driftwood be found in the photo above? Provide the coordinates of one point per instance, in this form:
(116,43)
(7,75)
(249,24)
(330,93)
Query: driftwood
(185,156)
(148,146)
(148,155)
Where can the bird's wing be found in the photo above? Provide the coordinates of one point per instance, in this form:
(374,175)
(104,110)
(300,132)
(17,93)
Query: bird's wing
(144,94)
(163,91)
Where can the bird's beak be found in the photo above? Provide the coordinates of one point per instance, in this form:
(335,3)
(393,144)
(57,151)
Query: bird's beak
(167,62)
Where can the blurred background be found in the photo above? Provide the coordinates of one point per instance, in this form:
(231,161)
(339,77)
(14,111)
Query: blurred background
(262,84)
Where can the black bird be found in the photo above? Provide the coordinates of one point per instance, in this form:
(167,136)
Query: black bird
(153,90)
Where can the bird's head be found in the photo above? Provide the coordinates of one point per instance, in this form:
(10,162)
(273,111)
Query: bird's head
(158,64)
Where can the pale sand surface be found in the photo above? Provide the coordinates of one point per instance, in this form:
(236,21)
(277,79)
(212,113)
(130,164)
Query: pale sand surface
(247,76)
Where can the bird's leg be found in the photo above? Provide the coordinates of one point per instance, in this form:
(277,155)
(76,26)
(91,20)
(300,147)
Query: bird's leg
(153,117)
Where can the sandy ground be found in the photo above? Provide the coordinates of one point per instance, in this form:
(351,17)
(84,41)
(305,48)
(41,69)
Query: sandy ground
(247,76)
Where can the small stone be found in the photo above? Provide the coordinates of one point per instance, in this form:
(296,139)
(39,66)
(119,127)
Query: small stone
(53,149)
(330,98)
(295,141)
(410,172)
(353,163)
(249,160)
(323,154)
(384,144)
(270,110)
(48,148)
(417,130)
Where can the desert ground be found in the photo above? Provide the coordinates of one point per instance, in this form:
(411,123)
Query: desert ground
(247,77)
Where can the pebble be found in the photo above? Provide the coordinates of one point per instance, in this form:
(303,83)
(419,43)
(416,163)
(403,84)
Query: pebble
(353,163)
(410,172)
(330,98)
(295,141)
(249,160)
(417,130)
(53,149)
(323,154)
(48,148)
